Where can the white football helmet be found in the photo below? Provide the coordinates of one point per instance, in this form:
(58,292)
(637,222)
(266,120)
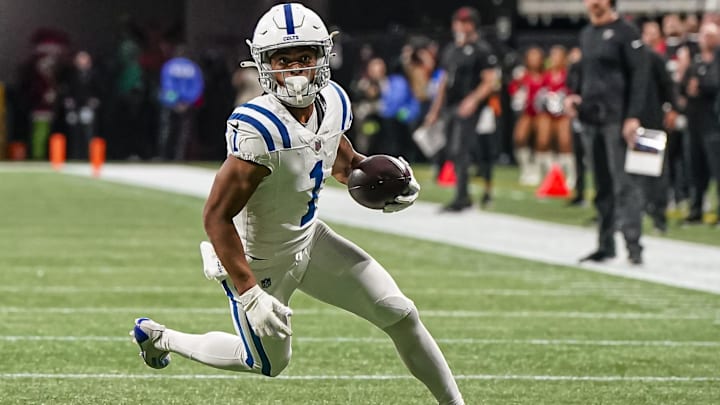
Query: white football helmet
(285,26)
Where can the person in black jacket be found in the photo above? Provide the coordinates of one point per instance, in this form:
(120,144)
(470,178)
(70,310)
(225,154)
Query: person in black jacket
(609,102)
(701,85)
(470,79)
(660,113)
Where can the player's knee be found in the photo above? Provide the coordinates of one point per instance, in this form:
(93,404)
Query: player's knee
(391,310)
(278,363)
(278,367)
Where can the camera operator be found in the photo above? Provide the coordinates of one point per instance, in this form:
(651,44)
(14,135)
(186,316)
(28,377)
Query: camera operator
(613,85)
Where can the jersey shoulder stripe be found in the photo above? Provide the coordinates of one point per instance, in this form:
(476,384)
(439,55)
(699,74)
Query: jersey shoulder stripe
(345,102)
(259,126)
(284,134)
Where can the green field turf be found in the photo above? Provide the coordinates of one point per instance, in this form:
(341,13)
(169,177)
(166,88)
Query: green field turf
(81,258)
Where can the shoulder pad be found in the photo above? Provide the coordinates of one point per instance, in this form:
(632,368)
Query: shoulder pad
(261,118)
(338,102)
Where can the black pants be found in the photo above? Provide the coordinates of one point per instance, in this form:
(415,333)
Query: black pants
(618,199)
(677,166)
(462,140)
(176,132)
(655,191)
(579,151)
(483,154)
(704,154)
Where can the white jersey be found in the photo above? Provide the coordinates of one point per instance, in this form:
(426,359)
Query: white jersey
(279,218)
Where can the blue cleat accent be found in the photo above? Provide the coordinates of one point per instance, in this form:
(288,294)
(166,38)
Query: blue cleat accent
(145,333)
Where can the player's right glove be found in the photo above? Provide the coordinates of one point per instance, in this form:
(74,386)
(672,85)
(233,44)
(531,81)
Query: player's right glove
(265,314)
(408,198)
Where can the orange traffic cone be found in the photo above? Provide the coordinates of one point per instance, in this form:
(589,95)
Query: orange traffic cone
(97,155)
(554,184)
(447,176)
(58,150)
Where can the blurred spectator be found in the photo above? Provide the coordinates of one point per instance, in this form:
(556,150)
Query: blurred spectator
(678,57)
(701,86)
(470,79)
(691,27)
(421,66)
(246,84)
(524,91)
(420,62)
(659,113)
(366,106)
(652,37)
(553,123)
(38,85)
(611,94)
(399,109)
(130,136)
(218,103)
(573,82)
(80,97)
(181,86)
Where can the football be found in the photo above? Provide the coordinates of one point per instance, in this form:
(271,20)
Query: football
(377,180)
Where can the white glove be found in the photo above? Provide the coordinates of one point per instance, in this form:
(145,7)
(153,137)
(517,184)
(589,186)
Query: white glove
(265,314)
(408,198)
(212,267)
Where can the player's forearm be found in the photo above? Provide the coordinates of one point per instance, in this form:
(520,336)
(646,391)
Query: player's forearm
(342,175)
(229,249)
(347,159)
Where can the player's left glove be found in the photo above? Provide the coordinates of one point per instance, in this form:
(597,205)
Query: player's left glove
(265,313)
(212,267)
(408,198)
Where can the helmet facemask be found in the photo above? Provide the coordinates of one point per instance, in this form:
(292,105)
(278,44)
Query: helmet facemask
(297,90)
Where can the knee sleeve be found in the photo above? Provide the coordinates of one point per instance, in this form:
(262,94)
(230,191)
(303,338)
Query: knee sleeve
(393,309)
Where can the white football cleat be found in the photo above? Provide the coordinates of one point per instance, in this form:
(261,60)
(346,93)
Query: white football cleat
(145,333)
(212,267)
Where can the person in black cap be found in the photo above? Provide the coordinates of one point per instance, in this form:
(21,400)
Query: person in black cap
(470,78)
(609,100)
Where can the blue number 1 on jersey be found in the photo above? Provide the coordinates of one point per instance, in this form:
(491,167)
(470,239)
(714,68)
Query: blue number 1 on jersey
(316,174)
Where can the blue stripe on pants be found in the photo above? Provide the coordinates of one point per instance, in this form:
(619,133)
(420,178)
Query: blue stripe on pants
(236,318)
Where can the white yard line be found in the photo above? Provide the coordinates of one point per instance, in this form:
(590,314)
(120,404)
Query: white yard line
(703,316)
(370,340)
(471,292)
(669,262)
(488,377)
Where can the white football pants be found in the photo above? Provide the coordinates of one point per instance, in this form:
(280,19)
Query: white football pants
(335,271)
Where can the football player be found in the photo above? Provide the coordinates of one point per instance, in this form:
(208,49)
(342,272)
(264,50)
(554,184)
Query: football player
(281,148)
